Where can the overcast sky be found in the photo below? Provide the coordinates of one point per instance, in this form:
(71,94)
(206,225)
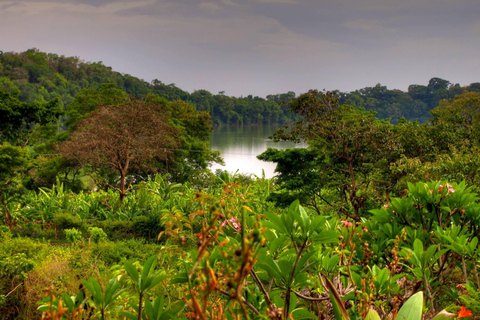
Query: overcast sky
(258,47)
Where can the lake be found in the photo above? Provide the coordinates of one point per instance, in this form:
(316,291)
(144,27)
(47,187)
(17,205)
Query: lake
(240,145)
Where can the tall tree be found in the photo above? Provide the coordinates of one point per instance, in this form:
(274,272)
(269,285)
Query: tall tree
(352,147)
(124,138)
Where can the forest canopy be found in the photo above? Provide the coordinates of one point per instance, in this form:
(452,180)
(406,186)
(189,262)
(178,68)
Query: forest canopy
(42,76)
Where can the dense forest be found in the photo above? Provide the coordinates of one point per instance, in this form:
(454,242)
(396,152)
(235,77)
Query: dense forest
(109,210)
(44,76)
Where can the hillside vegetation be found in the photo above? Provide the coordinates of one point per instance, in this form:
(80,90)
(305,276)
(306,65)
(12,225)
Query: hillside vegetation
(109,210)
(39,75)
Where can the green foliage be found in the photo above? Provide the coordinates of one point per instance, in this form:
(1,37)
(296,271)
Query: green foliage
(97,235)
(114,252)
(116,230)
(13,163)
(89,100)
(148,227)
(16,266)
(282,261)
(349,148)
(103,299)
(17,118)
(64,221)
(144,281)
(471,298)
(432,204)
(158,310)
(73,235)
(297,174)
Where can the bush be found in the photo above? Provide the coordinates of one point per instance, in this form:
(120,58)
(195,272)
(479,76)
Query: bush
(113,252)
(97,235)
(115,229)
(33,230)
(5,232)
(73,235)
(64,221)
(148,227)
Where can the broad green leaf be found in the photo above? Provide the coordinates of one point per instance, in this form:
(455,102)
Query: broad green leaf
(129,315)
(274,222)
(317,222)
(302,262)
(418,247)
(131,271)
(412,308)
(286,267)
(68,301)
(331,263)
(156,281)
(270,266)
(372,315)
(444,315)
(302,313)
(110,290)
(275,244)
(327,236)
(179,278)
(148,265)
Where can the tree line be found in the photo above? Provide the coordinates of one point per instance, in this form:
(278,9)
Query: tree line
(356,162)
(42,76)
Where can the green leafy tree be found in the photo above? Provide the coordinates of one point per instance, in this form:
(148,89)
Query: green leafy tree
(457,120)
(88,101)
(13,163)
(21,121)
(352,145)
(195,128)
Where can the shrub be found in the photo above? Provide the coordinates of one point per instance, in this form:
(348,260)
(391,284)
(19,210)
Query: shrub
(113,252)
(73,235)
(5,232)
(33,230)
(148,227)
(115,229)
(97,235)
(64,221)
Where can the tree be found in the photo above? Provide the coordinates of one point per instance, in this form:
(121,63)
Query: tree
(89,99)
(194,131)
(438,83)
(18,119)
(353,148)
(123,138)
(299,176)
(13,162)
(457,120)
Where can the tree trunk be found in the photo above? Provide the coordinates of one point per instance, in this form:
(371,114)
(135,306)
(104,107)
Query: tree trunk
(122,186)
(8,220)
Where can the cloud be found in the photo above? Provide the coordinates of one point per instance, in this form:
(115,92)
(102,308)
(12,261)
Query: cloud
(255,46)
(279,1)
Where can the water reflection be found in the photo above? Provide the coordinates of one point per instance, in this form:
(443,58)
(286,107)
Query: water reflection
(240,145)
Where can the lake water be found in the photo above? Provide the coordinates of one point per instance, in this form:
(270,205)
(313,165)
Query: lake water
(240,145)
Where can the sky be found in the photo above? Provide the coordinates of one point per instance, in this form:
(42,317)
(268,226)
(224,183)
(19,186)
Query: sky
(257,47)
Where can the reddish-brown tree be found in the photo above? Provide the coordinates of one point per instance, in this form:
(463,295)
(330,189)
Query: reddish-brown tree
(125,138)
